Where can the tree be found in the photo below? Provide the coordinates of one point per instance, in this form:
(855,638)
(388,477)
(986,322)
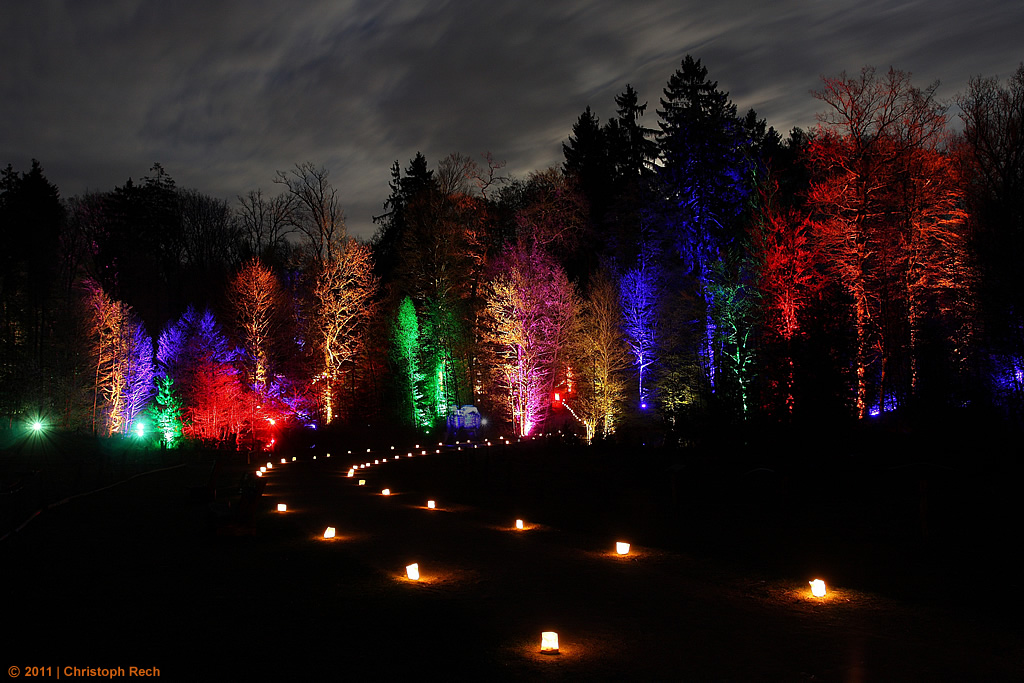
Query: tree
(166,411)
(256,300)
(706,177)
(343,294)
(529,310)
(991,154)
(406,344)
(600,359)
(265,224)
(315,208)
(194,352)
(887,218)
(784,272)
(640,291)
(123,356)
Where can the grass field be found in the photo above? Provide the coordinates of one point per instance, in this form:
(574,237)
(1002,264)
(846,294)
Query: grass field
(714,588)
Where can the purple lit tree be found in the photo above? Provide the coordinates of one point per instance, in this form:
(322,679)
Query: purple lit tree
(640,290)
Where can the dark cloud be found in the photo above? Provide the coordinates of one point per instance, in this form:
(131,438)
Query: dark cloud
(224,94)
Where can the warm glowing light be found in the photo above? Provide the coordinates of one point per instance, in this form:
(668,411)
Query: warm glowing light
(350,473)
(270,465)
(271,421)
(376,462)
(386,492)
(413,571)
(362,482)
(549,642)
(329,533)
(622,548)
(519,524)
(259,474)
(818,588)
(430,504)
(263,469)
(293,458)
(281,507)
(367,450)
(283,461)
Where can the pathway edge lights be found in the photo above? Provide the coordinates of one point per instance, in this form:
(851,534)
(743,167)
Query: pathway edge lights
(817,588)
(329,533)
(413,571)
(621,548)
(549,642)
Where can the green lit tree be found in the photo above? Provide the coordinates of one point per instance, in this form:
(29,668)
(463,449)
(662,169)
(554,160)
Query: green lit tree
(166,411)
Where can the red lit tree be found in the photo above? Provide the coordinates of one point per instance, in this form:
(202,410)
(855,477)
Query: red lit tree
(196,355)
(886,219)
(784,266)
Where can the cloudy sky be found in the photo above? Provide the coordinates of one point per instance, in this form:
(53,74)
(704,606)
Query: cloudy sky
(225,93)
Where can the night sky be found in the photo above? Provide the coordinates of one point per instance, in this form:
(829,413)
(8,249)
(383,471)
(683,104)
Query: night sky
(224,94)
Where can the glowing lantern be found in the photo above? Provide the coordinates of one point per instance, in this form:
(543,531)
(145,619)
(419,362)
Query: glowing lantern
(362,482)
(350,473)
(328,455)
(392,448)
(376,462)
(263,469)
(329,533)
(549,642)
(314,457)
(413,571)
(818,588)
(519,524)
(270,465)
(293,458)
(283,461)
(622,548)
(281,507)
(259,474)
(430,504)
(386,492)
(367,450)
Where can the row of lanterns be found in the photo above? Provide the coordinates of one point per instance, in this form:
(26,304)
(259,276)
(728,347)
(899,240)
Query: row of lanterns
(549,639)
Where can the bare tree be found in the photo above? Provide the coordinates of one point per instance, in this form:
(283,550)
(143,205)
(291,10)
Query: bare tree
(315,208)
(265,223)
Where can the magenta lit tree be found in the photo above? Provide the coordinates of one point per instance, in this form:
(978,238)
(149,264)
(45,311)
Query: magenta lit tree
(529,311)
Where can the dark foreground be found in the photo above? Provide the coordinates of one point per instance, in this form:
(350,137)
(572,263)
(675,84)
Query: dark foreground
(135,576)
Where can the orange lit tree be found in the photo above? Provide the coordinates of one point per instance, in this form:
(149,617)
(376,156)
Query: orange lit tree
(343,304)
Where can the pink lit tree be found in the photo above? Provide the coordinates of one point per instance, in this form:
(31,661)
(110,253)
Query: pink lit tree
(528,316)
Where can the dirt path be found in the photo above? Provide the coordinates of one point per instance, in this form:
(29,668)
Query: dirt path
(131,577)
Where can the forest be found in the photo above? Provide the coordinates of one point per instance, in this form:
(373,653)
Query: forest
(685,271)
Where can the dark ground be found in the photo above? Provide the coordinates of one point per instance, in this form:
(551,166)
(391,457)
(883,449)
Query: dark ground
(715,588)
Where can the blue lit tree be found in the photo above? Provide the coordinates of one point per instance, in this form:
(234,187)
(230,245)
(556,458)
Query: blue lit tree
(706,178)
(640,290)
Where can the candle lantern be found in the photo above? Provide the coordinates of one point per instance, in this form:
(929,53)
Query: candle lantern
(329,533)
(430,504)
(519,524)
(413,571)
(818,588)
(549,643)
(281,507)
(622,548)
